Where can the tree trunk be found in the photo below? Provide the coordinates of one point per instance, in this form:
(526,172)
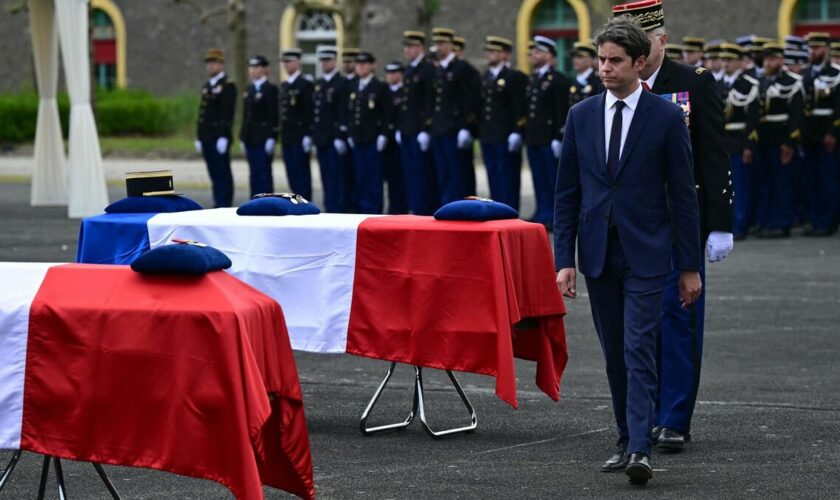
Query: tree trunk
(239,34)
(351,14)
(425,16)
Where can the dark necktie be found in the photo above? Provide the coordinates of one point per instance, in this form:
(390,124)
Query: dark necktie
(615,141)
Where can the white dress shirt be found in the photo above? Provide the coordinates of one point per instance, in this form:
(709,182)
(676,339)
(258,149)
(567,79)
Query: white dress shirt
(329,76)
(629,110)
(652,80)
(583,78)
(292,78)
(449,58)
(495,70)
(363,82)
(417,60)
(215,79)
(259,82)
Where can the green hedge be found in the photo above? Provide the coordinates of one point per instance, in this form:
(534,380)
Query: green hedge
(118,113)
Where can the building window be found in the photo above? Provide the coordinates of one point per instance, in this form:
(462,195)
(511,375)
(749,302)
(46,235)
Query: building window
(315,29)
(817,15)
(556,19)
(104,39)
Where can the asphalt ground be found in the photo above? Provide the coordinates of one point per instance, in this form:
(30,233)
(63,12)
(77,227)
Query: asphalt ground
(766,424)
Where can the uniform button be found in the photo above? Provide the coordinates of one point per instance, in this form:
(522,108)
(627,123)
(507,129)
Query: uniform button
(487,117)
(317,119)
(488,108)
(437,108)
(405,108)
(531,115)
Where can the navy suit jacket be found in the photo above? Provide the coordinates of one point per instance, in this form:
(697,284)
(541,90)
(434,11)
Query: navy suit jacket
(652,199)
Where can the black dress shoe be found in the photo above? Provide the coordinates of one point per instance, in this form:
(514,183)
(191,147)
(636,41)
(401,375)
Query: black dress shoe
(671,440)
(638,469)
(617,462)
(654,434)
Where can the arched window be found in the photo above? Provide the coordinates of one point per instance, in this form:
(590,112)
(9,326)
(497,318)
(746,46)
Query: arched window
(817,15)
(315,29)
(108,41)
(104,39)
(556,19)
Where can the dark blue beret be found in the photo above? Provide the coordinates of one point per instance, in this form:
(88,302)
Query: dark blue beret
(278,204)
(476,209)
(184,257)
(152,204)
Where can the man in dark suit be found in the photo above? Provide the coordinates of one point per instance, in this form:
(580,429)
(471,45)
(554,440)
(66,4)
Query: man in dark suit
(296,124)
(502,122)
(455,105)
(414,119)
(213,130)
(326,134)
(260,125)
(370,104)
(625,191)
(681,347)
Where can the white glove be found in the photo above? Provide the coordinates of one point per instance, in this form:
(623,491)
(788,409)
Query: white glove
(351,143)
(221,145)
(340,146)
(719,246)
(555,147)
(464,139)
(398,137)
(269,146)
(197,146)
(423,141)
(381,142)
(307,144)
(514,142)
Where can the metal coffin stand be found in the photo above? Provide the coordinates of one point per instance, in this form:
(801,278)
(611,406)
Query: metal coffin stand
(59,476)
(418,407)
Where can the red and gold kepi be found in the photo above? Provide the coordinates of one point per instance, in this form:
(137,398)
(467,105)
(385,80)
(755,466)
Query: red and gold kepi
(648,13)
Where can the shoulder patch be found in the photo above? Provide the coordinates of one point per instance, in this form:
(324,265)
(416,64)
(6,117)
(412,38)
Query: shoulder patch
(700,70)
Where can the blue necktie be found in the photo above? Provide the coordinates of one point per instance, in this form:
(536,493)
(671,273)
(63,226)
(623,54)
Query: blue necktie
(615,141)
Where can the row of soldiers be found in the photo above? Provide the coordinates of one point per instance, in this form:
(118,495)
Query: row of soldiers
(782,121)
(414,131)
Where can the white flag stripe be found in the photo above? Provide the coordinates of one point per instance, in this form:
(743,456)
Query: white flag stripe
(306,263)
(18,286)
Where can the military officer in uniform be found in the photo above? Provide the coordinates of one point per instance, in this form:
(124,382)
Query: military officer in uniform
(296,124)
(370,105)
(414,118)
(327,136)
(681,340)
(260,125)
(548,105)
(779,134)
(348,62)
(392,170)
(586,82)
(741,109)
(712,60)
(455,103)
(215,120)
(693,50)
(467,153)
(835,53)
(502,122)
(819,135)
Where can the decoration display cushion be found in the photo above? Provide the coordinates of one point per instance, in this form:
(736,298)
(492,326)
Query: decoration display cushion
(152,204)
(475,209)
(278,205)
(181,258)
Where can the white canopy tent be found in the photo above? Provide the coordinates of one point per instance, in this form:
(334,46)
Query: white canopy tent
(80,181)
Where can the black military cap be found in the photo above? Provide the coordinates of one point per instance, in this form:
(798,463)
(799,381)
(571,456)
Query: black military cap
(365,57)
(711,51)
(293,54)
(257,60)
(327,53)
(459,42)
(498,43)
(817,39)
(693,43)
(731,51)
(584,49)
(773,49)
(835,49)
(673,51)
(648,13)
(349,54)
(414,38)
(443,35)
(394,67)
(151,183)
(217,55)
(545,44)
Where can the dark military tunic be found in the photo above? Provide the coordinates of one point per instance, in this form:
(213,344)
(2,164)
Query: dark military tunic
(260,116)
(503,105)
(215,114)
(579,91)
(295,110)
(547,107)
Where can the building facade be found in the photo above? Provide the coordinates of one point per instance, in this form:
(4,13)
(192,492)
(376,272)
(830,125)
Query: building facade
(157,45)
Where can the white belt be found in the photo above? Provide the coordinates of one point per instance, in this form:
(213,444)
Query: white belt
(822,112)
(775,118)
(736,126)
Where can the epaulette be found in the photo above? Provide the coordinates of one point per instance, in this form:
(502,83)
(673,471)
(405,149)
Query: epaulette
(700,70)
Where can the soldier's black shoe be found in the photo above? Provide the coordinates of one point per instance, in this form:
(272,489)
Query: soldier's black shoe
(638,469)
(617,462)
(671,440)
(654,434)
